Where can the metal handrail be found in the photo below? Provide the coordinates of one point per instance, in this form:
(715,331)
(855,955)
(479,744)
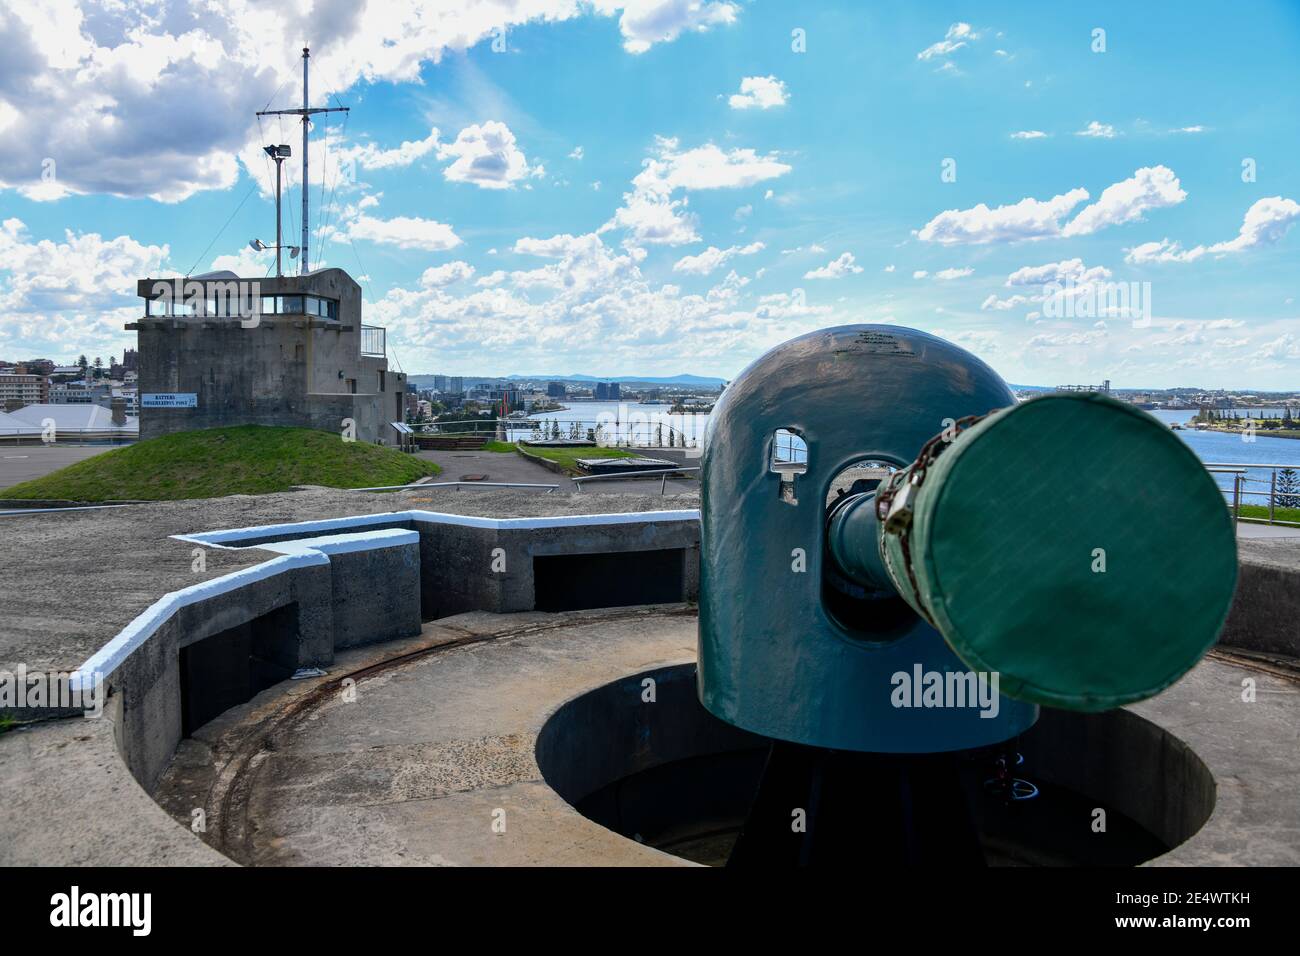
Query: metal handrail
(1239,491)
(457,484)
(661,473)
(488,426)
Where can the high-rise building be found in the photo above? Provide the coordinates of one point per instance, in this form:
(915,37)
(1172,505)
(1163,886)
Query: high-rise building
(17,391)
(556,390)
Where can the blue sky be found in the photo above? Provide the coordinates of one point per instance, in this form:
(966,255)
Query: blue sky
(671,186)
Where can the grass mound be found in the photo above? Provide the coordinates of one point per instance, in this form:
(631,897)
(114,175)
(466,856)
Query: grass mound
(239,460)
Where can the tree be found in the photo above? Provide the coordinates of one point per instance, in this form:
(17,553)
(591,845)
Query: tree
(1288,488)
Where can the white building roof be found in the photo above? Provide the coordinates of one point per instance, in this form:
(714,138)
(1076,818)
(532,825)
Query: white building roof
(68,418)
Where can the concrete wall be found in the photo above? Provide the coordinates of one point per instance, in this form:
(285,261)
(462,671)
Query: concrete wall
(346,590)
(1264,609)
(468,568)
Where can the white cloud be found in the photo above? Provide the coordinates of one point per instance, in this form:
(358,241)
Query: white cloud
(1067,279)
(60,298)
(588,304)
(786,305)
(1189,129)
(487,156)
(704,167)
(371,156)
(1029,134)
(444,275)
(1285,346)
(1265,223)
(1067,270)
(889,268)
(405,232)
(646,22)
(577,153)
(95,79)
(654,220)
(649,213)
(759,92)
(947,275)
(835,269)
(956,37)
(1027,219)
(1095,130)
(713,257)
(1151,187)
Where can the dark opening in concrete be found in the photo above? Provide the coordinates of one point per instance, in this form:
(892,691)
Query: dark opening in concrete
(235,665)
(578,582)
(669,774)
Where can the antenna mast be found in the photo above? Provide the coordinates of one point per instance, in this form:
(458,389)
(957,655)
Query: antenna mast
(306,113)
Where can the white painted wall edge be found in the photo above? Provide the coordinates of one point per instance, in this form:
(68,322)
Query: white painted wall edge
(228,538)
(293,554)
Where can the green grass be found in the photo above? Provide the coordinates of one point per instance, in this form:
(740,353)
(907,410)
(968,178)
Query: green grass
(499,446)
(7,723)
(1279,514)
(567,458)
(211,462)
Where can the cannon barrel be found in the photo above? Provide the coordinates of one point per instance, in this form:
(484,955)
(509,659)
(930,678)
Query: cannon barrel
(1072,544)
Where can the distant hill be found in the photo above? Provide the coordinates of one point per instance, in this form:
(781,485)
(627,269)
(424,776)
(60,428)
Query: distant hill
(212,462)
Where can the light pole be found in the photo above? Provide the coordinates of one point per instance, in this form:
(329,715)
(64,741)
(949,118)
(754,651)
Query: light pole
(279,154)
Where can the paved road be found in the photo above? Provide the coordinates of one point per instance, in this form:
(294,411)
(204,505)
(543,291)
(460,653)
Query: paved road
(1248,529)
(508,466)
(19,463)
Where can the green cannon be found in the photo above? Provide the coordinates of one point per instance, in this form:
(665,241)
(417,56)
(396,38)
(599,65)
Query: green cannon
(899,564)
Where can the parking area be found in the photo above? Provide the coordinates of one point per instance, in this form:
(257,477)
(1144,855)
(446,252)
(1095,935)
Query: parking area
(19,463)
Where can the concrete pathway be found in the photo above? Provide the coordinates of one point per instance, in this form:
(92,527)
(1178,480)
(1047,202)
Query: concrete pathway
(1248,529)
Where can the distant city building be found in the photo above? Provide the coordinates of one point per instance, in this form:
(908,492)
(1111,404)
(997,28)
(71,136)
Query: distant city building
(78,393)
(456,385)
(555,390)
(440,383)
(131,360)
(19,390)
(606,391)
(1103,388)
